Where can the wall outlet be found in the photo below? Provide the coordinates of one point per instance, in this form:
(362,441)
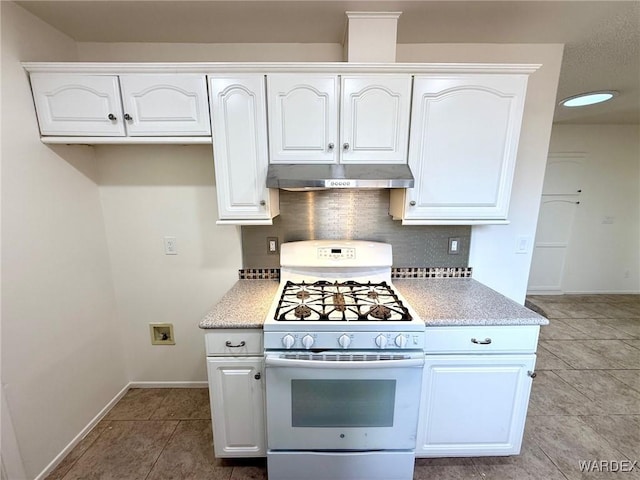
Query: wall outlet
(170,246)
(272,245)
(454,245)
(162,334)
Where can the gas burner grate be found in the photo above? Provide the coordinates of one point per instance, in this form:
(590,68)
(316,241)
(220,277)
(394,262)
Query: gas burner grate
(340,301)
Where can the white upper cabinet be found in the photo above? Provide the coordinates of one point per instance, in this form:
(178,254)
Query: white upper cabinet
(165,105)
(463,147)
(238,112)
(303,118)
(140,105)
(78,104)
(375,118)
(305,125)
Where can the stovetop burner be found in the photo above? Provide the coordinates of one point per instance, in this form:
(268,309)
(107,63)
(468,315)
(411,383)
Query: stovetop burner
(340,301)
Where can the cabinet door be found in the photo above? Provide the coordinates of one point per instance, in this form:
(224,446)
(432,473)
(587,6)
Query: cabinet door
(303,118)
(463,147)
(236,393)
(375,118)
(238,113)
(473,405)
(165,105)
(82,105)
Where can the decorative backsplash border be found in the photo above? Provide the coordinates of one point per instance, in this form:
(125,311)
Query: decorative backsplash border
(259,274)
(431,272)
(404,272)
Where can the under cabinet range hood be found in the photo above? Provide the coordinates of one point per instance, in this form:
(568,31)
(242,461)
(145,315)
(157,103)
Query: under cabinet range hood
(314,177)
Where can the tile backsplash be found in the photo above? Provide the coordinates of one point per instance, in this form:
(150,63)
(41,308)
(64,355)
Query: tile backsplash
(346,214)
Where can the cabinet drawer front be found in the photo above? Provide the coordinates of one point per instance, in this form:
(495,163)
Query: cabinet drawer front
(498,339)
(230,342)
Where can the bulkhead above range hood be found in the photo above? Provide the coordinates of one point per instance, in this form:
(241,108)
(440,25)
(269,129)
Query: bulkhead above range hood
(314,177)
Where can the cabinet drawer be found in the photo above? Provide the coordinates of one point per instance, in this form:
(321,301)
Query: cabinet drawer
(231,342)
(498,339)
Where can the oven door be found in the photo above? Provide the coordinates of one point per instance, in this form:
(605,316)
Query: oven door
(363,401)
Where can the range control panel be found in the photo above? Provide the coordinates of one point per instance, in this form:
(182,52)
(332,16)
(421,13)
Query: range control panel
(337,253)
(344,340)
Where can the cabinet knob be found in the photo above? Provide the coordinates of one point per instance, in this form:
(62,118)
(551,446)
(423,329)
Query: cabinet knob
(128,117)
(345,146)
(111,116)
(330,146)
(257,376)
(532,374)
(412,203)
(263,203)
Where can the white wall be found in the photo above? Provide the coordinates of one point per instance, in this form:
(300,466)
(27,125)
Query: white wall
(603,257)
(61,360)
(149,192)
(492,254)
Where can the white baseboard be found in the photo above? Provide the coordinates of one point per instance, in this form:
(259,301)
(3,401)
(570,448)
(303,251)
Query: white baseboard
(545,291)
(83,433)
(602,292)
(203,384)
(94,421)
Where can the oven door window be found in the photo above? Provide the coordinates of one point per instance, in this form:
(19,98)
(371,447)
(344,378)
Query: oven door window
(342,403)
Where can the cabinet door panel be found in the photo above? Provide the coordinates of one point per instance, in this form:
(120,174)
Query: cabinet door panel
(375,118)
(237,406)
(77,104)
(240,146)
(464,138)
(474,404)
(303,118)
(166,104)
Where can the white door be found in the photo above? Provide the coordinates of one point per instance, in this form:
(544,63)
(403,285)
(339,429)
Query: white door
(375,118)
(473,405)
(560,200)
(78,105)
(237,406)
(463,145)
(238,113)
(158,104)
(303,118)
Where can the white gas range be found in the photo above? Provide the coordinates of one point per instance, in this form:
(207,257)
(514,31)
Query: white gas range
(343,357)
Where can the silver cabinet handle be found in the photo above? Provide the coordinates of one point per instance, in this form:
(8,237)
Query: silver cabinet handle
(331,145)
(345,146)
(128,117)
(412,203)
(532,374)
(263,203)
(111,116)
(231,345)
(486,341)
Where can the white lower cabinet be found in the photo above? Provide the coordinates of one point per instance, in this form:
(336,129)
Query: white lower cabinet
(235,366)
(236,392)
(473,405)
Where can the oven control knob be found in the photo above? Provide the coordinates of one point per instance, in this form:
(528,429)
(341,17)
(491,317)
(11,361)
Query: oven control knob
(401,341)
(344,340)
(307,341)
(381,341)
(288,340)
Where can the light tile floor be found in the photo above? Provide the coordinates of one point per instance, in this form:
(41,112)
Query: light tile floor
(585,405)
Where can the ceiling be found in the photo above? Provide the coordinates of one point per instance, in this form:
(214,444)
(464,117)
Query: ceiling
(602,38)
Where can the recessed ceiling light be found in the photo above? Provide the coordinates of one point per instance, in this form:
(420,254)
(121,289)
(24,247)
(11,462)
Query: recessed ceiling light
(588,98)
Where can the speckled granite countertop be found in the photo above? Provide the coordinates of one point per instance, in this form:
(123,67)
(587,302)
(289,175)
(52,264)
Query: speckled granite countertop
(439,302)
(463,301)
(254,295)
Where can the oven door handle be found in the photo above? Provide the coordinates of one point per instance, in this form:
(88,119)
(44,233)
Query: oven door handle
(340,364)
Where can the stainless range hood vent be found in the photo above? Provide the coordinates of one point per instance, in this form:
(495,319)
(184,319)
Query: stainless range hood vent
(314,177)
